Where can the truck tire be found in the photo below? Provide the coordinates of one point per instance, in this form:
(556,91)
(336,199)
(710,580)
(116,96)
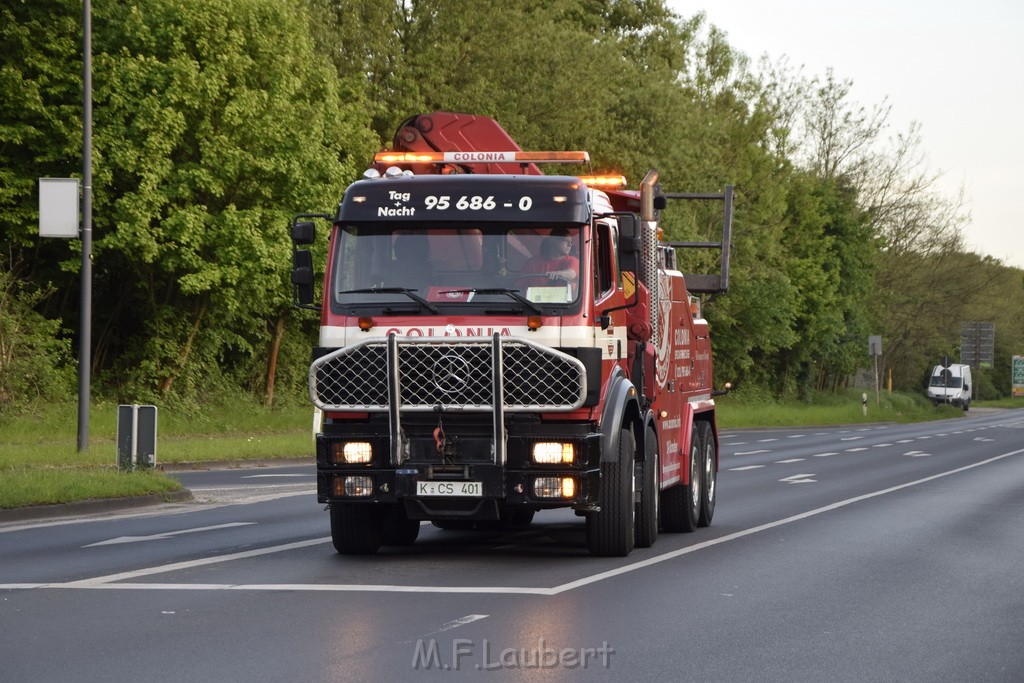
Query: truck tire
(680,505)
(397,528)
(709,474)
(610,531)
(648,474)
(356,529)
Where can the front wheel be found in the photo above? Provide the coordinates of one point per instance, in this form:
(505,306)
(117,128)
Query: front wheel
(647,506)
(610,531)
(356,529)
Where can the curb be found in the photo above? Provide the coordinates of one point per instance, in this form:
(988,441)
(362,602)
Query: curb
(87,507)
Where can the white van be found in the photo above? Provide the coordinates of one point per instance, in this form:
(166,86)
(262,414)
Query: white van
(951,385)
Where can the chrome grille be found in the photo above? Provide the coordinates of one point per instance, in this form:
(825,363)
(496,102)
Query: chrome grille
(455,375)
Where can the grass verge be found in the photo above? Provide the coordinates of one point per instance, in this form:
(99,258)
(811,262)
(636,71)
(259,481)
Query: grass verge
(40,463)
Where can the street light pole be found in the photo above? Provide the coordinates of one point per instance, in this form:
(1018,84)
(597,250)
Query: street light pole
(85,307)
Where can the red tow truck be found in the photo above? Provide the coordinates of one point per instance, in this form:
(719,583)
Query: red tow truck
(496,341)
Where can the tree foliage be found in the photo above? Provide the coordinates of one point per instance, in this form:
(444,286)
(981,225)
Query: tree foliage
(216,120)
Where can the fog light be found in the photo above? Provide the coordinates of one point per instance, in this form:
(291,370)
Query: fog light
(554,487)
(354,452)
(353,486)
(554,453)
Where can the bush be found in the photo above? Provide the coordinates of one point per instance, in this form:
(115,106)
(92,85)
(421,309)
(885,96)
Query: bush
(36,362)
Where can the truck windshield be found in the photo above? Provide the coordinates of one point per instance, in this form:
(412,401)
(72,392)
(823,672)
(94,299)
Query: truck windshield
(501,267)
(949,380)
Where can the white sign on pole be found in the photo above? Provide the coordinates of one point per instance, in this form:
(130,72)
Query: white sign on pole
(58,207)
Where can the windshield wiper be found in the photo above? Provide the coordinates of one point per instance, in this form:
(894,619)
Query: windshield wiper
(513,293)
(411,293)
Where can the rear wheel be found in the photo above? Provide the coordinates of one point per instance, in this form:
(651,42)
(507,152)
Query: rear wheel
(709,474)
(610,531)
(680,505)
(647,506)
(356,529)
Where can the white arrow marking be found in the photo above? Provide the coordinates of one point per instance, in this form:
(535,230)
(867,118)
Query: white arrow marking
(462,621)
(800,479)
(169,534)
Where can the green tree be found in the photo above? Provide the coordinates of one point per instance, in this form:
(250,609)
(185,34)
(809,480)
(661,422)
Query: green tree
(216,121)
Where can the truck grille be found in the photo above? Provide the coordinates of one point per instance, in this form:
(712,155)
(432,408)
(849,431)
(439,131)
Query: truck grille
(439,372)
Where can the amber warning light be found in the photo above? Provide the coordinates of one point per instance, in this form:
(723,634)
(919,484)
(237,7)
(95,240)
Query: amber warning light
(482,157)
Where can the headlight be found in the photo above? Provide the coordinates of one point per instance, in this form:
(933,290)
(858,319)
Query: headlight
(554,453)
(352,453)
(554,487)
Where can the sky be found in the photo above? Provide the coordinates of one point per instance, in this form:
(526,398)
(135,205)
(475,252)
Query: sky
(955,68)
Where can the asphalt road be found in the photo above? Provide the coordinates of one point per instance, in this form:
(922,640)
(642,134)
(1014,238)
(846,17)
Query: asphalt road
(887,553)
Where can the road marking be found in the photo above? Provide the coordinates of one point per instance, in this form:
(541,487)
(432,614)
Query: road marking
(917,454)
(796,436)
(750,452)
(800,479)
(746,467)
(850,438)
(904,441)
(881,445)
(855,450)
(169,534)
(766,440)
(107,582)
(784,462)
(462,621)
(823,455)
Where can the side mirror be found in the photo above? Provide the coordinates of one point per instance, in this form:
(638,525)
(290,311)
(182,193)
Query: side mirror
(302,276)
(630,244)
(303,232)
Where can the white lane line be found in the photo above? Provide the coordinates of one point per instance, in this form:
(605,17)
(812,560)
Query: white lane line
(766,440)
(750,452)
(796,436)
(881,445)
(785,462)
(105,582)
(823,455)
(765,527)
(850,438)
(745,467)
(855,450)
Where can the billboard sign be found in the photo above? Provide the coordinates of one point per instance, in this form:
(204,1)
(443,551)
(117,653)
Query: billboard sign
(1018,375)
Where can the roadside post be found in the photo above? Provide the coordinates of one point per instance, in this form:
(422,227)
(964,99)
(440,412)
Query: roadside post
(875,350)
(136,437)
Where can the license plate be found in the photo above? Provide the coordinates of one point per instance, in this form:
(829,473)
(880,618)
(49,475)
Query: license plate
(472,489)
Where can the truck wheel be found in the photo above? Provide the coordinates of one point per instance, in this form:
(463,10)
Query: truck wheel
(356,529)
(680,505)
(610,531)
(397,528)
(709,465)
(647,507)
